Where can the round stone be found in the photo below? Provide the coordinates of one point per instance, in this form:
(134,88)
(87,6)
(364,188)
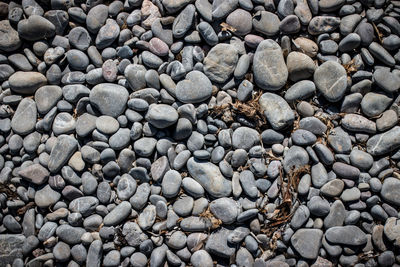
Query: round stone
(107,124)
(161,115)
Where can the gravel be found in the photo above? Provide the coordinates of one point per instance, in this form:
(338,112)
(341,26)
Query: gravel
(178,132)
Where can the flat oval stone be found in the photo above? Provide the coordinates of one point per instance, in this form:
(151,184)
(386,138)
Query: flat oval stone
(161,115)
(323,24)
(107,34)
(158,47)
(35,173)
(96,18)
(35,28)
(118,214)
(147,217)
(79,38)
(107,124)
(85,124)
(270,72)
(24,120)
(349,235)
(276,110)
(195,88)
(26,82)
(358,123)
(373,104)
(346,171)
(183,21)
(110,99)
(210,177)
(331,80)
(171,184)
(382,54)
(84,205)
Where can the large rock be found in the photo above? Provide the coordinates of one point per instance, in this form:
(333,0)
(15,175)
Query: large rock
(110,99)
(26,82)
(84,205)
(276,110)
(392,230)
(245,138)
(46,97)
(270,72)
(61,152)
(35,28)
(35,173)
(195,88)
(10,248)
(384,143)
(24,119)
(210,177)
(358,123)
(266,23)
(161,115)
(46,197)
(307,242)
(118,214)
(390,191)
(331,80)
(218,245)
(349,235)
(9,38)
(220,62)
(296,157)
(224,209)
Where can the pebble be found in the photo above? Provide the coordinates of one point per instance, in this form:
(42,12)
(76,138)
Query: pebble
(349,235)
(383,143)
(195,88)
(209,177)
(245,138)
(26,82)
(331,80)
(220,62)
(270,71)
(156,132)
(35,27)
(266,23)
(311,237)
(276,110)
(35,173)
(118,214)
(24,119)
(109,99)
(161,115)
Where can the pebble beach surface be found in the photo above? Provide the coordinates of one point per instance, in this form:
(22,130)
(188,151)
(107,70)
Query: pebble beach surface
(200,133)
